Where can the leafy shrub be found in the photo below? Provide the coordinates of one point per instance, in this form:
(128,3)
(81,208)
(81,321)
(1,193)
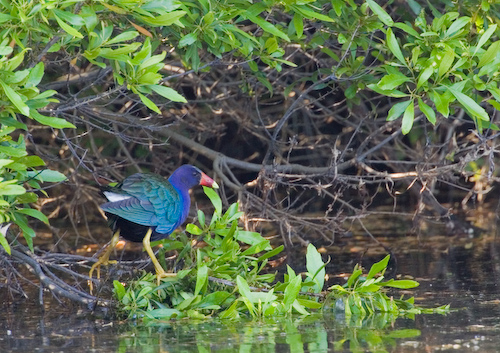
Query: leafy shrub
(19,95)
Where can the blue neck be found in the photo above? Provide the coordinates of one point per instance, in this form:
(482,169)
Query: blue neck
(184,195)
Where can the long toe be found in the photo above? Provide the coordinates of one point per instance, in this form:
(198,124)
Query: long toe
(97,267)
(163,274)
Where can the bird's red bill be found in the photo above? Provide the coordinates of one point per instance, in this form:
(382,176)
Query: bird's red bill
(207,181)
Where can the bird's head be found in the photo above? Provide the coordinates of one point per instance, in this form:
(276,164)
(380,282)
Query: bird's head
(189,176)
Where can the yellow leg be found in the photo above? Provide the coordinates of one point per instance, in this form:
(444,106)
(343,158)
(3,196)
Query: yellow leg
(104,259)
(160,272)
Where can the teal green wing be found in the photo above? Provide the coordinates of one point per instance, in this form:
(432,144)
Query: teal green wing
(146,199)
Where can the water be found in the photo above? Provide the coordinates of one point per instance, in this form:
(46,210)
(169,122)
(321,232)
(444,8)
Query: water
(462,272)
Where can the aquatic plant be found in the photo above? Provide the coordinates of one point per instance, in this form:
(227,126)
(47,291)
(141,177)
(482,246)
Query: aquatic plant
(224,274)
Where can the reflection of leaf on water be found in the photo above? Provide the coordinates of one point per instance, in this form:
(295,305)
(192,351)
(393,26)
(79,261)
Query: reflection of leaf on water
(362,340)
(314,333)
(369,333)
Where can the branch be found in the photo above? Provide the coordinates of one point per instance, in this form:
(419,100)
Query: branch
(57,287)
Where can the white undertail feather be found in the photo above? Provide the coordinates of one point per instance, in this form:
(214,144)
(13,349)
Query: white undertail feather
(114,197)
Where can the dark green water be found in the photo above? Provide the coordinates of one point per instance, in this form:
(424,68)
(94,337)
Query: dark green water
(466,277)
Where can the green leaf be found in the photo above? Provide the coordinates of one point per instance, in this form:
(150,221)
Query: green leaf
(166,19)
(401,283)
(14,62)
(214,198)
(256,248)
(28,233)
(442,104)
(47,175)
(188,39)
(291,292)
(338,5)
(201,279)
(391,93)
(397,109)
(302,311)
(193,229)
(315,266)
(35,75)
(28,197)
(149,103)
(201,217)
(380,12)
(408,118)
(251,238)
(34,213)
(469,104)
(446,62)
(189,301)
(485,36)
(7,188)
(298,23)
(4,162)
(263,297)
(266,26)
(351,91)
(311,15)
(243,287)
(168,93)
(3,241)
(119,289)
(214,299)
(490,54)
(5,49)
(378,267)
(407,29)
(494,103)
(272,253)
(147,79)
(424,76)
(69,17)
(123,37)
(13,151)
(392,81)
(428,111)
(56,123)
(393,45)
(310,304)
(4,18)
(15,99)
(67,28)
(457,25)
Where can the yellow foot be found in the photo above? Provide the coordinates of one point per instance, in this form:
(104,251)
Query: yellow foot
(163,274)
(103,260)
(97,266)
(160,272)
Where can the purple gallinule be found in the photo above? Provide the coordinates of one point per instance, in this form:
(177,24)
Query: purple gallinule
(148,207)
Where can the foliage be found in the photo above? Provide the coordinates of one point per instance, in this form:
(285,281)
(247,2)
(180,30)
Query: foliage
(362,296)
(221,278)
(448,61)
(428,62)
(19,95)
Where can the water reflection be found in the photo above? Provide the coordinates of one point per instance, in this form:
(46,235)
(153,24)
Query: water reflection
(309,334)
(301,334)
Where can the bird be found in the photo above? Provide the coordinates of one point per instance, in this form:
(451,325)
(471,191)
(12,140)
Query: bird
(147,207)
